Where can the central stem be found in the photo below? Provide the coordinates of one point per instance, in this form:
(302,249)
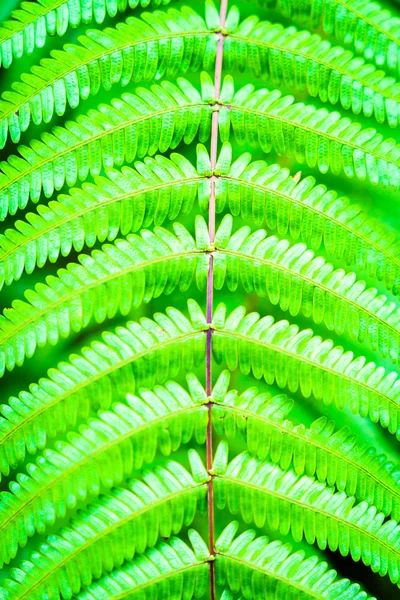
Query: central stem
(210,289)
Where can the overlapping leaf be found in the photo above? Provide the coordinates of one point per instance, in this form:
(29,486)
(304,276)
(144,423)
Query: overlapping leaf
(318,137)
(256,567)
(110,281)
(85,538)
(133,126)
(139,355)
(366,26)
(282,353)
(171,565)
(35,21)
(267,193)
(123,202)
(262,493)
(103,454)
(334,457)
(138,50)
(300,282)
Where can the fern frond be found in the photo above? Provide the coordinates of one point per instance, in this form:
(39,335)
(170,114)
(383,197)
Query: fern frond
(110,281)
(103,454)
(125,202)
(168,566)
(161,573)
(371,30)
(119,203)
(134,126)
(305,62)
(262,492)
(293,277)
(281,353)
(139,50)
(138,355)
(34,21)
(311,213)
(113,530)
(316,137)
(335,457)
(162,118)
(257,567)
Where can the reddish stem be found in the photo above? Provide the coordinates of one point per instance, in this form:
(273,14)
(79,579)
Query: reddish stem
(210,289)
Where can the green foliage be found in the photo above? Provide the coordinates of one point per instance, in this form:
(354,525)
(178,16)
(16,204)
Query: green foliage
(213,333)
(252,566)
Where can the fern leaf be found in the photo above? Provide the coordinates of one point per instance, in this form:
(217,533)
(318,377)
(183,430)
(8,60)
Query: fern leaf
(35,21)
(138,50)
(177,575)
(121,276)
(336,458)
(257,567)
(114,529)
(171,566)
(313,214)
(134,126)
(298,281)
(123,202)
(138,355)
(263,492)
(281,353)
(305,62)
(103,454)
(255,190)
(316,137)
(364,25)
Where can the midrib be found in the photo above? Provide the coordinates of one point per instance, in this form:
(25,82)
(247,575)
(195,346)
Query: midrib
(210,290)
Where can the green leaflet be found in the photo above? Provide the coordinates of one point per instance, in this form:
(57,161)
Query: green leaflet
(334,457)
(125,201)
(366,26)
(33,22)
(305,62)
(152,120)
(110,281)
(317,137)
(103,454)
(267,193)
(137,269)
(255,190)
(281,353)
(171,564)
(141,354)
(300,282)
(111,531)
(330,73)
(255,567)
(159,44)
(162,118)
(170,571)
(263,492)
